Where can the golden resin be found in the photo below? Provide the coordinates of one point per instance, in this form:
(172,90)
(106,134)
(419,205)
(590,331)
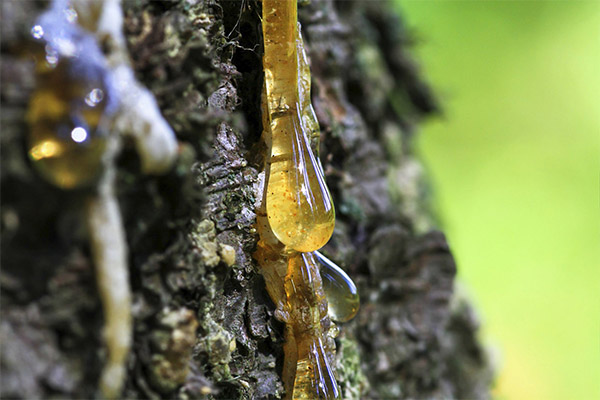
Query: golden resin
(340,290)
(294,284)
(307,310)
(66,140)
(298,204)
(296,215)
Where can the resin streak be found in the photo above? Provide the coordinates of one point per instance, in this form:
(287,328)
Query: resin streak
(296,215)
(309,118)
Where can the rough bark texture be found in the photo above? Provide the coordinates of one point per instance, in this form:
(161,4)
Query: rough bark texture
(203,329)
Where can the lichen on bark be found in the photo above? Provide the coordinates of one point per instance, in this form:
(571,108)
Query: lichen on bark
(204,325)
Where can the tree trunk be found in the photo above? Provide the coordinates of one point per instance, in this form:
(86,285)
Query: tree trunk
(203,323)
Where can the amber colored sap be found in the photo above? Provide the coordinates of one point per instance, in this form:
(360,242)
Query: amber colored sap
(314,378)
(298,204)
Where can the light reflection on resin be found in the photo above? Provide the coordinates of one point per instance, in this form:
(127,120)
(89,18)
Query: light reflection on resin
(342,295)
(309,118)
(314,376)
(307,305)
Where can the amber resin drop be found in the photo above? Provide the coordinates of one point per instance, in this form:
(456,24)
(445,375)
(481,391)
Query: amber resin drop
(298,204)
(68,111)
(342,296)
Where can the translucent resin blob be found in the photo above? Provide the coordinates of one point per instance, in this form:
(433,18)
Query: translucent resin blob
(342,295)
(65,142)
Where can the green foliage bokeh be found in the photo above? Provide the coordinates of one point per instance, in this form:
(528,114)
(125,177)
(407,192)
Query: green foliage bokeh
(514,161)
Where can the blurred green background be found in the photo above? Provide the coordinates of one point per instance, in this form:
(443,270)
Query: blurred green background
(515,166)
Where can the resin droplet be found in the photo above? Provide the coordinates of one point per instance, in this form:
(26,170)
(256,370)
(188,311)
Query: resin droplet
(299,207)
(298,204)
(67,112)
(342,296)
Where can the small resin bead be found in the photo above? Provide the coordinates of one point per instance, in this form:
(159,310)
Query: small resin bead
(342,296)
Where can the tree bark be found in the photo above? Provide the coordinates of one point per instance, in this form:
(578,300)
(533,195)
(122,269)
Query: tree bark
(204,325)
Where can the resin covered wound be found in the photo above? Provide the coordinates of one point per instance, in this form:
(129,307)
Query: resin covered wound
(295,214)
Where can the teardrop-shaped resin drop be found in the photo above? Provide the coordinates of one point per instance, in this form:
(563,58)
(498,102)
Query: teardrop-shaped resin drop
(299,206)
(342,296)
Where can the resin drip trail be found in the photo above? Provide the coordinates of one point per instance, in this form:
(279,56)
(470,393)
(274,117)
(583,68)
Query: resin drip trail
(296,215)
